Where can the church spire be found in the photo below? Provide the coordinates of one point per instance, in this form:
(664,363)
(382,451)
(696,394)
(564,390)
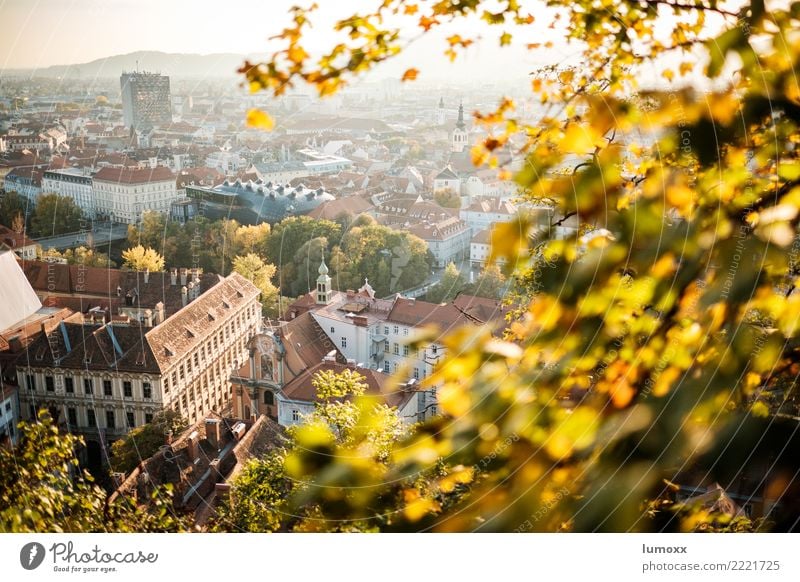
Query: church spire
(324,291)
(460,122)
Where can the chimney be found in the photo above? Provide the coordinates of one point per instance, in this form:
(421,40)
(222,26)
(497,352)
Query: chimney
(195,275)
(238,430)
(168,438)
(173,276)
(191,291)
(15,344)
(146,276)
(159,313)
(148,317)
(191,447)
(183,272)
(184,294)
(212,432)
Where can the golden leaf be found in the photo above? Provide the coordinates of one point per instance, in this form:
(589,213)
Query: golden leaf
(410,75)
(259,119)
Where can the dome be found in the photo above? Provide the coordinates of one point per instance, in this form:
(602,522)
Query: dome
(323,268)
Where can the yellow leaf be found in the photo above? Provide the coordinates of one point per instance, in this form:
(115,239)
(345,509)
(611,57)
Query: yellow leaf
(410,75)
(259,119)
(410,9)
(579,139)
(505,39)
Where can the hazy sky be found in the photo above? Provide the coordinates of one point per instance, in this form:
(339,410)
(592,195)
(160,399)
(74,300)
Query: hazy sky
(40,33)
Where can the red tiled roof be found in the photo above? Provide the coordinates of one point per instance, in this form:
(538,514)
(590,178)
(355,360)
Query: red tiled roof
(134,175)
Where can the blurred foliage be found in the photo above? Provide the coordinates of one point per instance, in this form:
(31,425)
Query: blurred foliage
(344,418)
(635,361)
(42,489)
(144,441)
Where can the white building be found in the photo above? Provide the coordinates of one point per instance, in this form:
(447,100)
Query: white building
(447,181)
(75,183)
(448,239)
(101,380)
(481,214)
(459,137)
(9,415)
(124,194)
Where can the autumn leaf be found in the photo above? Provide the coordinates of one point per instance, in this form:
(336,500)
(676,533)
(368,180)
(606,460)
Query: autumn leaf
(260,120)
(410,75)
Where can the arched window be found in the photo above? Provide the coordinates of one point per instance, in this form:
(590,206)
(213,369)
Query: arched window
(269,398)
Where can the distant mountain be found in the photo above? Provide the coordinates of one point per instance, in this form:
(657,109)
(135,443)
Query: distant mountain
(173,64)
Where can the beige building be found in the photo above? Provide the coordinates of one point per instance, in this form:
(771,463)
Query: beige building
(123,194)
(103,379)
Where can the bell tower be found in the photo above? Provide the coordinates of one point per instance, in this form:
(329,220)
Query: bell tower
(324,291)
(459,138)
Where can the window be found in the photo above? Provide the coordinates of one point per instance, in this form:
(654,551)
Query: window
(32,410)
(386,366)
(396,330)
(72,416)
(90,419)
(130,419)
(344,342)
(434,349)
(127,389)
(333,330)
(30,381)
(405,331)
(416,373)
(196,360)
(405,350)
(396,349)
(269,398)
(69,385)
(386,346)
(8,406)
(107,388)
(111,421)
(147,390)
(295,415)
(49,385)
(148,418)
(385,330)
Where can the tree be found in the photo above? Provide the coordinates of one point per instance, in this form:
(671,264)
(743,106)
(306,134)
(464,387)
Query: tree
(343,416)
(79,256)
(12,206)
(42,489)
(634,353)
(144,441)
(490,284)
(451,284)
(292,233)
(141,258)
(254,269)
(55,215)
(447,198)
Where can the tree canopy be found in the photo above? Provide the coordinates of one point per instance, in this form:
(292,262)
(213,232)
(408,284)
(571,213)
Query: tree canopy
(641,354)
(55,215)
(141,258)
(42,489)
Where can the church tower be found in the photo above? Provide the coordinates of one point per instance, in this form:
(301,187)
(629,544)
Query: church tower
(459,138)
(440,113)
(324,291)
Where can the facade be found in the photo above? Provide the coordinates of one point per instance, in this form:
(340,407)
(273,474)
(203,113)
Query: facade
(75,183)
(480,249)
(374,334)
(124,194)
(146,100)
(103,379)
(9,415)
(448,239)
(447,180)
(482,214)
(277,379)
(46,142)
(25,181)
(21,245)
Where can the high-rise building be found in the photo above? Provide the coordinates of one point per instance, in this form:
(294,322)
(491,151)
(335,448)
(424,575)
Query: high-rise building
(146,100)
